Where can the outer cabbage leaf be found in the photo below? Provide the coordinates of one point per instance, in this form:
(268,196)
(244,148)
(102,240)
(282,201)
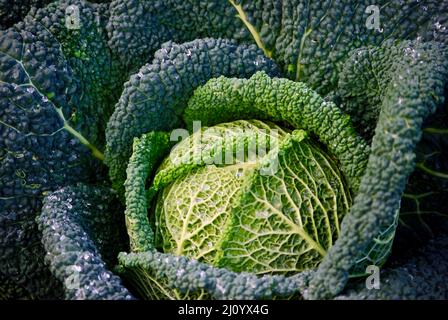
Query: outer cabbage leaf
(35,103)
(47,84)
(163,276)
(95,67)
(83,231)
(137,28)
(414,91)
(311,40)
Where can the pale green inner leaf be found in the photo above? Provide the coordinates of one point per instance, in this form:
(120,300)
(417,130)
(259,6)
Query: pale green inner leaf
(285,222)
(278,212)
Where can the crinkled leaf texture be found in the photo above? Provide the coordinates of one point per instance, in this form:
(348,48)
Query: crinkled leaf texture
(164,276)
(137,28)
(42,146)
(83,231)
(415,89)
(311,40)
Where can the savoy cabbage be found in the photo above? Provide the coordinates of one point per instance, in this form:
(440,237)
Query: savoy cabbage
(90,108)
